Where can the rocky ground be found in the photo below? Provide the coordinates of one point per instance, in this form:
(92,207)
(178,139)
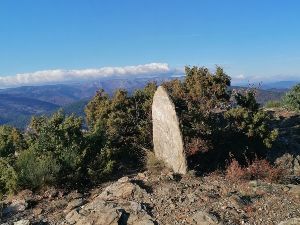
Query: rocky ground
(160,198)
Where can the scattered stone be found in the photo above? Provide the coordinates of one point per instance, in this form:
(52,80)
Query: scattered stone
(167,137)
(297,165)
(294,190)
(113,206)
(17,205)
(37,211)
(99,217)
(143,219)
(123,188)
(190,200)
(74,204)
(51,193)
(204,218)
(22,222)
(293,221)
(74,195)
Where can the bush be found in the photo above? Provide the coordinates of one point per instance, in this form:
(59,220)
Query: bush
(235,171)
(259,169)
(292,98)
(101,167)
(273,104)
(58,138)
(8,178)
(35,170)
(11,141)
(123,123)
(250,130)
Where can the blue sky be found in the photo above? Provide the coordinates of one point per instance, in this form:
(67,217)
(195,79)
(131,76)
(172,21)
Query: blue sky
(252,39)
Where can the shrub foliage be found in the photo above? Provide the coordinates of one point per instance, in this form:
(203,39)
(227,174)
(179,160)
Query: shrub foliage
(292,98)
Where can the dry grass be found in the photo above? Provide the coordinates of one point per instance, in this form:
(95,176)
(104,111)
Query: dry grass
(153,164)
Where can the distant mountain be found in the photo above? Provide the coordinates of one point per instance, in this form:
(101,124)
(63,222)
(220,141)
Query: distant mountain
(17,110)
(64,94)
(76,108)
(59,94)
(262,96)
(17,105)
(278,85)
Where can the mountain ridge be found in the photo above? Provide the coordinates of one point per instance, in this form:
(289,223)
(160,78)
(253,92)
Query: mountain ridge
(17,105)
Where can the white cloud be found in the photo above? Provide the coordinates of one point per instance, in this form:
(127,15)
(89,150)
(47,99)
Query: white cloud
(61,76)
(239,77)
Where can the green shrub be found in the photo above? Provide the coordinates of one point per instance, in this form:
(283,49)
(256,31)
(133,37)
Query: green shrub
(209,120)
(123,124)
(58,138)
(8,178)
(292,98)
(101,166)
(249,132)
(11,141)
(273,104)
(36,170)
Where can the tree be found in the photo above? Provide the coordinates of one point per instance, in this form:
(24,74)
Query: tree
(8,178)
(56,144)
(123,124)
(292,98)
(11,141)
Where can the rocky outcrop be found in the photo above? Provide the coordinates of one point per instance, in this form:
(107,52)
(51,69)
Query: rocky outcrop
(119,203)
(167,137)
(161,199)
(293,221)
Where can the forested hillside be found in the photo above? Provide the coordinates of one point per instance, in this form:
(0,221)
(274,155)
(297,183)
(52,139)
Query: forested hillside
(19,104)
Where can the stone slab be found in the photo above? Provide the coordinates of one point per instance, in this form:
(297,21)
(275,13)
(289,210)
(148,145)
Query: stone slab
(167,137)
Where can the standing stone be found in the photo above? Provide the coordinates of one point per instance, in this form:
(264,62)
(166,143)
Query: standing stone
(167,138)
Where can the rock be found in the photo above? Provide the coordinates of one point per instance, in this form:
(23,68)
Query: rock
(204,218)
(142,176)
(167,137)
(297,165)
(72,217)
(143,219)
(293,221)
(17,205)
(51,193)
(22,222)
(101,217)
(294,190)
(112,207)
(26,194)
(74,195)
(123,188)
(37,211)
(136,207)
(74,204)
(290,163)
(108,213)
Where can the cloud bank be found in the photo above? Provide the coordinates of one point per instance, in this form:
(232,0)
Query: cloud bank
(63,76)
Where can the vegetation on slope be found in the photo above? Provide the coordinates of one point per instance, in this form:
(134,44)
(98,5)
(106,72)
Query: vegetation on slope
(57,150)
